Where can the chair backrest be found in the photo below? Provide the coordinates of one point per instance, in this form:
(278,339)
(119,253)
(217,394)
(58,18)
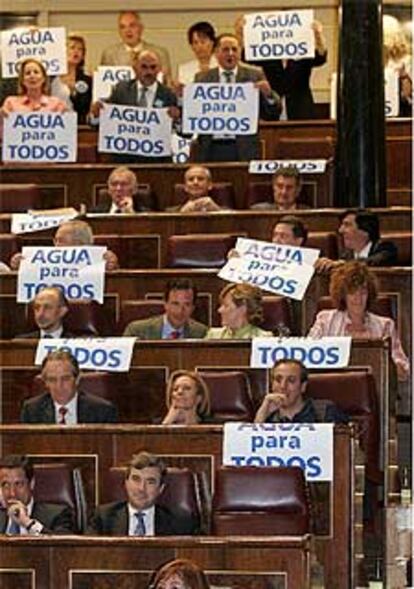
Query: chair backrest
(278,315)
(18,198)
(100,384)
(59,483)
(384,305)
(354,392)
(138,309)
(326,241)
(221,192)
(181,489)
(199,250)
(403,240)
(133,251)
(230,395)
(144,197)
(9,245)
(260,501)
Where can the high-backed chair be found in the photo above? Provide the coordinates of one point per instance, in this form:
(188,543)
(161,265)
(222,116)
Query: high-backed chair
(230,395)
(200,250)
(133,251)
(221,192)
(278,316)
(260,501)
(100,384)
(354,392)
(144,197)
(18,198)
(385,305)
(59,483)
(403,241)
(181,490)
(326,241)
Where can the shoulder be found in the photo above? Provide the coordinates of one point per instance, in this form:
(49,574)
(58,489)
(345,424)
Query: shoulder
(215,333)
(208,76)
(328,314)
(52,509)
(38,400)
(93,400)
(196,326)
(386,323)
(140,325)
(259,332)
(252,72)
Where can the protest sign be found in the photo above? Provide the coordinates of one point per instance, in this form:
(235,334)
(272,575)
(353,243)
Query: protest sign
(324,352)
(217,109)
(40,221)
(180,149)
(133,130)
(40,137)
(107,76)
(309,446)
(286,34)
(47,45)
(79,271)
(317,166)
(112,354)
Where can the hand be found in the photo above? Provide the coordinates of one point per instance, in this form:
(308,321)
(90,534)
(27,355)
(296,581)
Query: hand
(200,205)
(233,253)
(16,260)
(4,113)
(402,372)
(264,87)
(175,416)
(323,265)
(174,112)
(320,41)
(17,511)
(177,88)
(111,261)
(271,402)
(126,205)
(96,108)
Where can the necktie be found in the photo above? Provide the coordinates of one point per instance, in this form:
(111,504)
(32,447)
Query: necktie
(47,336)
(228,77)
(175,335)
(62,415)
(14,528)
(142,100)
(140,527)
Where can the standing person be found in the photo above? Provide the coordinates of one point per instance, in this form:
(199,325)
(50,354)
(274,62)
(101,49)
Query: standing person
(202,38)
(130,28)
(241,147)
(75,87)
(291,78)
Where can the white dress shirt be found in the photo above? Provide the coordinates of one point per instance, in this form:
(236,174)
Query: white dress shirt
(71,416)
(149,517)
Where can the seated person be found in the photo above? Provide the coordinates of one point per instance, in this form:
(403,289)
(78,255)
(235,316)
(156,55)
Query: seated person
(241,313)
(197,185)
(176,322)
(122,186)
(360,233)
(22,515)
(187,399)
(353,288)
(286,184)
(73,233)
(4,267)
(64,403)
(49,308)
(286,403)
(179,574)
(139,515)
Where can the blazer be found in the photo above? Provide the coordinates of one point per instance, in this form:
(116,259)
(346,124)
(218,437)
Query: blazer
(152,328)
(36,335)
(91,409)
(117,54)
(56,518)
(248,146)
(382,253)
(112,520)
(105,206)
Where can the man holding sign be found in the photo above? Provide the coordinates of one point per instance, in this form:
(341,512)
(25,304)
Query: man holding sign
(235,146)
(286,403)
(144,92)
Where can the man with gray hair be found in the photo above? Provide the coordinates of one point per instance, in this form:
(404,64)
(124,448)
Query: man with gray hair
(122,194)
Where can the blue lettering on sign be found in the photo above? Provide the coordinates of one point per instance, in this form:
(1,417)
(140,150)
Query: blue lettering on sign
(39,152)
(311,465)
(280,19)
(63,256)
(312,356)
(123,144)
(98,357)
(292,50)
(71,291)
(219,92)
(117,76)
(31,36)
(135,115)
(39,121)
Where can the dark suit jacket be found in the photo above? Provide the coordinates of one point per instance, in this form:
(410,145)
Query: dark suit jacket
(112,520)
(382,253)
(36,335)
(105,206)
(91,409)
(293,82)
(248,147)
(56,518)
(152,328)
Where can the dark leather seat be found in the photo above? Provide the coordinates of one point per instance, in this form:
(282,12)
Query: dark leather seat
(326,241)
(260,501)
(403,241)
(221,192)
(278,315)
(230,396)
(18,198)
(138,309)
(199,250)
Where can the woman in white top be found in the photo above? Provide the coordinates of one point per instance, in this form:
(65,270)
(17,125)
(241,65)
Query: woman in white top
(202,37)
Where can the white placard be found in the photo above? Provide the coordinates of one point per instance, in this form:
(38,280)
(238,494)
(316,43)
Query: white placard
(111,354)
(285,34)
(47,45)
(325,352)
(220,109)
(303,166)
(30,222)
(180,149)
(40,137)
(108,76)
(133,130)
(309,446)
(279,269)
(79,271)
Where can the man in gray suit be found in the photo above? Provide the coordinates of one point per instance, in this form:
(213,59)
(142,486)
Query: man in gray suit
(230,69)
(130,29)
(176,322)
(64,404)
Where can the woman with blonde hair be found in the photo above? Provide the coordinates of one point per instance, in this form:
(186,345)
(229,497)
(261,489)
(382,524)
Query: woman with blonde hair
(187,398)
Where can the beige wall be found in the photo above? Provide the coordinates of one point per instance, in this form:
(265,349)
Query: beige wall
(166,24)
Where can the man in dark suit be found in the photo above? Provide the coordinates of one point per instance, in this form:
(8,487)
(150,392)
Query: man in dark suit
(360,232)
(144,91)
(176,322)
(64,404)
(49,309)
(20,514)
(122,195)
(139,515)
(286,184)
(239,147)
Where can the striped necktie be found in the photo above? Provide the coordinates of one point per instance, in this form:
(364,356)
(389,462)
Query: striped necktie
(140,527)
